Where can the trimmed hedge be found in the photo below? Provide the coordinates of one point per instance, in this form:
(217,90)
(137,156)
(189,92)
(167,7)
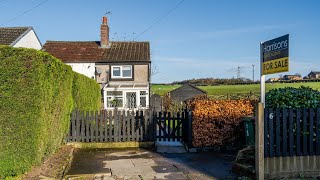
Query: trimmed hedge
(289,97)
(35,105)
(86,93)
(216,122)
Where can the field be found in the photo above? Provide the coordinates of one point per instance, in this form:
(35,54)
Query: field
(234,89)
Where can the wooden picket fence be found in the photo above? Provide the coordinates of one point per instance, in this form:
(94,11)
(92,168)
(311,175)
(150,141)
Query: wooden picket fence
(111,126)
(292,132)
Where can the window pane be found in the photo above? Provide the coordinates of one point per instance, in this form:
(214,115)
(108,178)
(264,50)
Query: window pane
(114,93)
(143,93)
(116,71)
(131,100)
(116,102)
(143,101)
(126,71)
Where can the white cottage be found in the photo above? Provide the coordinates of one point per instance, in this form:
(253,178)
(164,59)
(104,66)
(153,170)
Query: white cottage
(19,37)
(121,68)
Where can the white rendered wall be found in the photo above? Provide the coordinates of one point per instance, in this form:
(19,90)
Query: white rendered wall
(30,40)
(87,69)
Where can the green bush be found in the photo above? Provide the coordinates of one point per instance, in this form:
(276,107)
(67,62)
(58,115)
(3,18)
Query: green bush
(86,93)
(35,105)
(303,97)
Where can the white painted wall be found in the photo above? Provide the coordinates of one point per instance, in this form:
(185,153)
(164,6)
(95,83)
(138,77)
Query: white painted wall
(87,69)
(30,40)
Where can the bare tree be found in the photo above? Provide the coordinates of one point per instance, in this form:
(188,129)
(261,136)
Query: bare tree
(154,71)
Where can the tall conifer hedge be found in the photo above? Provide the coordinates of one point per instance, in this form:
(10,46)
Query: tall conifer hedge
(37,94)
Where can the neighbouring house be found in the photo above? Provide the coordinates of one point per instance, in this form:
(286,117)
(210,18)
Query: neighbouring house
(121,68)
(273,80)
(185,92)
(314,75)
(19,37)
(292,77)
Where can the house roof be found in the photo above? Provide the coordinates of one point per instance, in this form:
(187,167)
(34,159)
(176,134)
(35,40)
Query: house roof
(11,35)
(90,51)
(294,75)
(315,72)
(192,86)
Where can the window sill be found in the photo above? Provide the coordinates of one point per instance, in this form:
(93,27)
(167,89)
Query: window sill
(121,79)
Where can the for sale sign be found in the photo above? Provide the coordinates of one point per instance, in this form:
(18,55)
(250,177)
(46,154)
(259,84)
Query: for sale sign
(275,55)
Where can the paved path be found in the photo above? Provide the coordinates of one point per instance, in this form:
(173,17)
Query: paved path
(145,164)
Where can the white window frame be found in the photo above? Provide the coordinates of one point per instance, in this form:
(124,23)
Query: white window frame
(124,97)
(114,97)
(121,72)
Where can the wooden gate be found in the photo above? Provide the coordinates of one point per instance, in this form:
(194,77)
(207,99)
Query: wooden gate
(173,126)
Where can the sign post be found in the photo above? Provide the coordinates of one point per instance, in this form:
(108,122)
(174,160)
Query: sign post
(262,78)
(274,58)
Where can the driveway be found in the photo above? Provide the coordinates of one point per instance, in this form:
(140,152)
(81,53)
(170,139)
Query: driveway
(136,163)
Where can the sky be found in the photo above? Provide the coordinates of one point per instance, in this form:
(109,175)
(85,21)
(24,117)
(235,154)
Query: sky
(188,38)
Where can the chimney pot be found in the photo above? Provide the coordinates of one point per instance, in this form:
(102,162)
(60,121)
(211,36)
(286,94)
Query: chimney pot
(104,20)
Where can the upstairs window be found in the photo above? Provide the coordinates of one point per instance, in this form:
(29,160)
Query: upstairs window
(121,71)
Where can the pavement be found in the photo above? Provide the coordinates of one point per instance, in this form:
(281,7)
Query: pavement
(144,164)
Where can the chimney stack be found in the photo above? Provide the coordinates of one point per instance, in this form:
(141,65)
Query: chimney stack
(104,36)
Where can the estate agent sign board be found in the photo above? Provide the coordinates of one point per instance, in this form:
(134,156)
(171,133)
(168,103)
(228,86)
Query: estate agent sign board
(275,55)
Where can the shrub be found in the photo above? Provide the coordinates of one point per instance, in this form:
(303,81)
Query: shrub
(171,105)
(35,106)
(303,97)
(215,121)
(86,93)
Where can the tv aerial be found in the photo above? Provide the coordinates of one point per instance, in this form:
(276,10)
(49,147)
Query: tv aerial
(108,12)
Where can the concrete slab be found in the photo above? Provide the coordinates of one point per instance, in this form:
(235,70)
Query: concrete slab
(165,169)
(141,162)
(123,163)
(168,143)
(171,149)
(146,164)
(132,171)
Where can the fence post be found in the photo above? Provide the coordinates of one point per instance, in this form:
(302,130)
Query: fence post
(190,128)
(154,125)
(150,127)
(259,149)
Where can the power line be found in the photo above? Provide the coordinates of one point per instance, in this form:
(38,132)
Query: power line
(25,12)
(159,20)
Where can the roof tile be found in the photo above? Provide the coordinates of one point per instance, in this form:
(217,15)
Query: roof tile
(10,34)
(90,51)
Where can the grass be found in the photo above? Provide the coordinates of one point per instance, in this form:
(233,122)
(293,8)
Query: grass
(234,89)
(162,89)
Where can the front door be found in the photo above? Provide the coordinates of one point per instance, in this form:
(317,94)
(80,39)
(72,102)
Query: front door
(131,100)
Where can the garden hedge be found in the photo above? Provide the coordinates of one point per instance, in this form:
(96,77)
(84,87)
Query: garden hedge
(289,97)
(216,122)
(35,105)
(86,93)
